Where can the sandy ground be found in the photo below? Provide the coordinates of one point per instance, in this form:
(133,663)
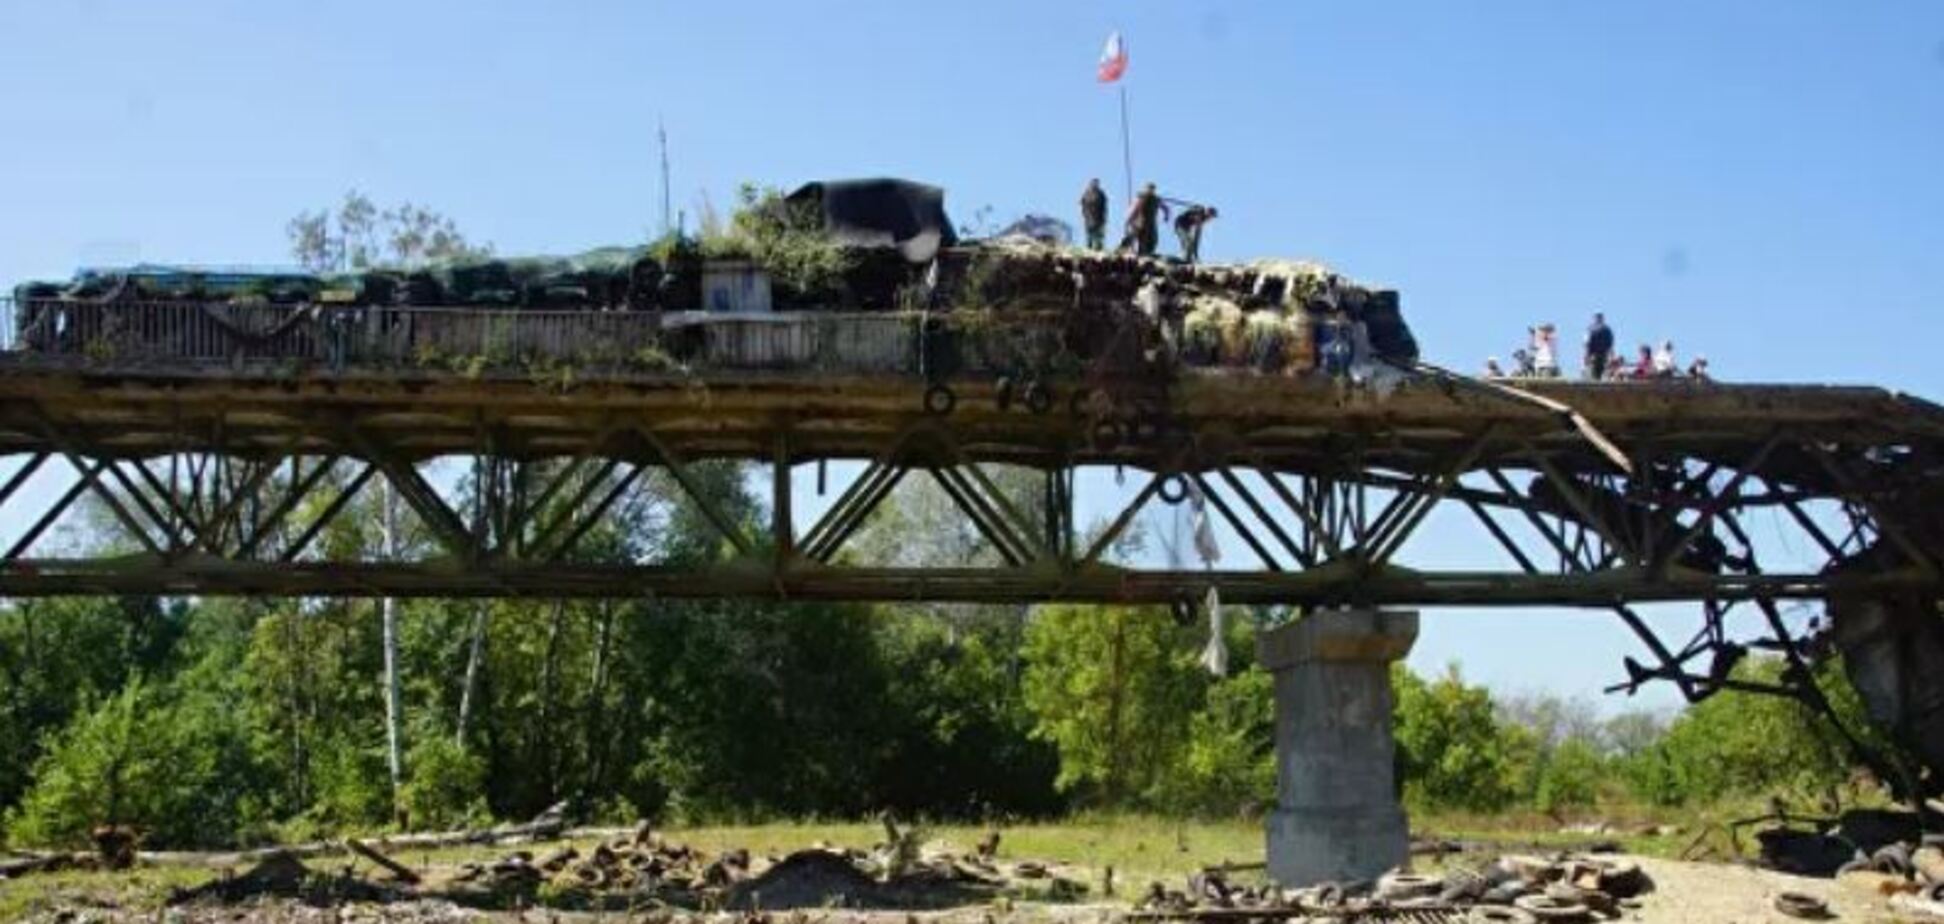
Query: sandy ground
(1717,894)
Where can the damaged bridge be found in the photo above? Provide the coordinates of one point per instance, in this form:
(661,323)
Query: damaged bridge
(219,451)
(220,479)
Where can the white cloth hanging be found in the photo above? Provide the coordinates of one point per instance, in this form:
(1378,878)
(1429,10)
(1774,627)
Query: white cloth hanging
(1205,544)
(1215,654)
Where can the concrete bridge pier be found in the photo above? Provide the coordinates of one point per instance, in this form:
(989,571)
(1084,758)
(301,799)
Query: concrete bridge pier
(1337,814)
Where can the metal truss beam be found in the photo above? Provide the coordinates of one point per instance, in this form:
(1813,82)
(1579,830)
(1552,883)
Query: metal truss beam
(219,524)
(747,580)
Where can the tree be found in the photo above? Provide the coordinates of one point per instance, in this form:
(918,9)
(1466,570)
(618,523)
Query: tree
(958,737)
(1571,778)
(358,235)
(173,769)
(1451,750)
(1733,744)
(58,656)
(1230,761)
(1114,688)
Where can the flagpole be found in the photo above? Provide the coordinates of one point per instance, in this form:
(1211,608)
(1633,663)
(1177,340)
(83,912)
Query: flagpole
(1127,150)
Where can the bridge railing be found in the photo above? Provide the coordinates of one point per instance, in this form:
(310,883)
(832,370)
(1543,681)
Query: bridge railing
(188,335)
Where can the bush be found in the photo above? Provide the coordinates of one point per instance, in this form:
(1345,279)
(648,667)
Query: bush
(1570,778)
(784,238)
(445,784)
(1230,764)
(1742,744)
(350,785)
(1451,751)
(175,771)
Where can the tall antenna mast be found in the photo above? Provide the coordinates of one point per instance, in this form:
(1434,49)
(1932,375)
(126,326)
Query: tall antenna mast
(662,133)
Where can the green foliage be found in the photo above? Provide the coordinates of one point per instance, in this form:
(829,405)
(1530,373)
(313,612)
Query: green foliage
(764,711)
(169,769)
(446,785)
(1113,688)
(59,656)
(1571,778)
(784,238)
(959,742)
(1451,750)
(1230,763)
(1734,744)
(99,770)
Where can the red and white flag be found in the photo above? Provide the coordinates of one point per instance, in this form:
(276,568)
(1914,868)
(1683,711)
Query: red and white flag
(1113,59)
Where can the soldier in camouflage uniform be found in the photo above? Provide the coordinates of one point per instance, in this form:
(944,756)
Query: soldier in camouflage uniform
(1144,216)
(1093,214)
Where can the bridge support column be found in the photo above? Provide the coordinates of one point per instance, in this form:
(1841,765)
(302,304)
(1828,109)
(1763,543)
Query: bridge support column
(1337,813)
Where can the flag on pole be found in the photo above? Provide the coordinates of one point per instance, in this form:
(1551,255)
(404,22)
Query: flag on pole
(1113,59)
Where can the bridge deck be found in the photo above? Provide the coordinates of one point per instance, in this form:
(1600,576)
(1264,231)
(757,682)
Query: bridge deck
(141,379)
(1299,423)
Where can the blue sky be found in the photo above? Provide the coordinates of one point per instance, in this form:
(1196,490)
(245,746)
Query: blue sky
(1759,181)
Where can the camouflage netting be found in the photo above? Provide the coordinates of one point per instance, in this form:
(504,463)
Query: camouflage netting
(1274,316)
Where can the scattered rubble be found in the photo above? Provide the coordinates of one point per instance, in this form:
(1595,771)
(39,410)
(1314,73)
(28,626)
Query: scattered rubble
(642,869)
(281,875)
(1514,889)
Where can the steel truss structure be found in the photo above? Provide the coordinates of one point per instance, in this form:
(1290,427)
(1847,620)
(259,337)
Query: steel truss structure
(215,483)
(222,486)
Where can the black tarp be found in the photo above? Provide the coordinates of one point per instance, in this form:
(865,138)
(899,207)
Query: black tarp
(881,213)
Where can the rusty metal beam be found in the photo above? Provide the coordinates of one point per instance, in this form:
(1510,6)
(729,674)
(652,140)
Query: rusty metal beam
(743,578)
(53,512)
(1235,522)
(20,476)
(1665,556)
(446,525)
(1262,515)
(329,513)
(994,533)
(1851,484)
(1503,538)
(1107,537)
(300,487)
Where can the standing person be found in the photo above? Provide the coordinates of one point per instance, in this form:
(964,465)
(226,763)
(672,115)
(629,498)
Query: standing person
(1664,364)
(1093,214)
(1188,228)
(1545,352)
(1143,225)
(1599,346)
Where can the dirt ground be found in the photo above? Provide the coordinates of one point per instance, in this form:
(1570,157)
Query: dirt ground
(1689,893)
(1717,894)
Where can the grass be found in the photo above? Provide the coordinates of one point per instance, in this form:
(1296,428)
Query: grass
(140,890)
(1140,848)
